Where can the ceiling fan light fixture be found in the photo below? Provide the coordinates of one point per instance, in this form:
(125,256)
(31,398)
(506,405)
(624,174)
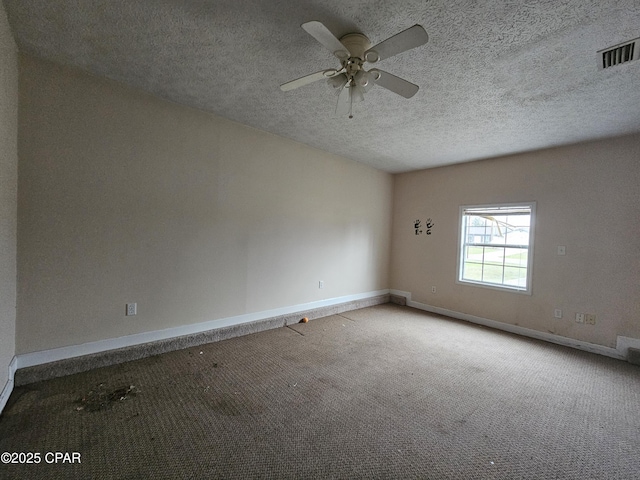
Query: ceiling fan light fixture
(361,78)
(357,93)
(338,81)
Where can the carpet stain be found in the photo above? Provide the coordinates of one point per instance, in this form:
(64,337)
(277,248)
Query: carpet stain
(101,397)
(233,406)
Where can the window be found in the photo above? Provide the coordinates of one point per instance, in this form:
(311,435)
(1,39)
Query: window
(496,246)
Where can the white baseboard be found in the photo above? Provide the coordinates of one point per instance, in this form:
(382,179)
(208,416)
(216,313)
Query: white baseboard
(47,356)
(8,388)
(620,352)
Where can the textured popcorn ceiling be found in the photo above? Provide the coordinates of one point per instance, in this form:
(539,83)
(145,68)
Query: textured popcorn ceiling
(495,78)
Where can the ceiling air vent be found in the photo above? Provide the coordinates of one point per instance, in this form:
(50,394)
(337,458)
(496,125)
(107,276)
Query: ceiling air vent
(623,53)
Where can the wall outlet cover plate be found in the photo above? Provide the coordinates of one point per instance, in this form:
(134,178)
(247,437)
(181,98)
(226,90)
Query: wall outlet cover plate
(132,309)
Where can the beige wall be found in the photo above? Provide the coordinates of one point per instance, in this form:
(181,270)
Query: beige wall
(8,195)
(588,199)
(127,198)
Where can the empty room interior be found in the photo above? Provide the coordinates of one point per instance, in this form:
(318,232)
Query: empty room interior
(420,261)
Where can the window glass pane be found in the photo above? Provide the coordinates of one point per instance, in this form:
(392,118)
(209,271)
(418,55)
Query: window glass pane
(494,256)
(473,253)
(497,232)
(516,257)
(517,235)
(472,271)
(472,264)
(479,230)
(515,276)
(500,229)
(492,273)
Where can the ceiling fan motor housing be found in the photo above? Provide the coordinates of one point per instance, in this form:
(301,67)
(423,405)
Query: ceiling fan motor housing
(356,44)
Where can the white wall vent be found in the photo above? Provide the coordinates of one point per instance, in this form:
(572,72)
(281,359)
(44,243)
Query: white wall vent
(623,53)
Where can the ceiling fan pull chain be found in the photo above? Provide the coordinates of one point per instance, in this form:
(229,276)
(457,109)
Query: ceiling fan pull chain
(350,102)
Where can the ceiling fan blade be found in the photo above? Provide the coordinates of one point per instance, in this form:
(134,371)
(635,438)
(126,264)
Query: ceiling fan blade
(343,107)
(393,83)
(322,34)
(314,77)
(406,40)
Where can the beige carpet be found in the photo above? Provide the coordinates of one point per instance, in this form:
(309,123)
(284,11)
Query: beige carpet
(382,392)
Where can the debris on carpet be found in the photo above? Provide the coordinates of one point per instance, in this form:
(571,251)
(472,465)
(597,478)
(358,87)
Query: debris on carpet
(101,398)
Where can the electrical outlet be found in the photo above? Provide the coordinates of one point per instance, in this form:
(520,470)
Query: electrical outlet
(580,317)
(132,309)
(590,318)
(557,313)
(321,284)
(433,289)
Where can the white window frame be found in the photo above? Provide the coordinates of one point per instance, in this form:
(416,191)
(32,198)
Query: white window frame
(461,244)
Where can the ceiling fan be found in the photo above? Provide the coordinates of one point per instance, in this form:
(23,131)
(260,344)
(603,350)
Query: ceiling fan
(353,50)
